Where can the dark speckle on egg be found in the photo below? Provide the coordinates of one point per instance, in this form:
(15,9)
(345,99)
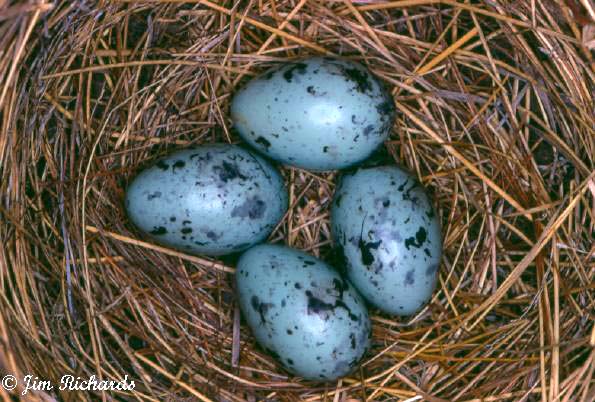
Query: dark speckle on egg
(264,142)
(410,277)
(402,185)
(159,231)
(368,129)
(366,251)
(178,165)
(322,308)
(228,171)
(252,208)
(418,240)
(261,308)
(406,193)
(162,165)
(156,194)
(214,236)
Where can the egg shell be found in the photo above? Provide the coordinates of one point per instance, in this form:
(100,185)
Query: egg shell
(319,113)
(384,224)
(302,312)
(214,199)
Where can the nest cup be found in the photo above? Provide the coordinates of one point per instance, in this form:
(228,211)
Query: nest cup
(494,115)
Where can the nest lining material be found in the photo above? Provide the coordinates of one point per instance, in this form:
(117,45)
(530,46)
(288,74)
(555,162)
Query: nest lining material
(495,116)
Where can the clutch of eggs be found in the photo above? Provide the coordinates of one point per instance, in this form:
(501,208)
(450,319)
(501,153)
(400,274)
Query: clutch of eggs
(319,113)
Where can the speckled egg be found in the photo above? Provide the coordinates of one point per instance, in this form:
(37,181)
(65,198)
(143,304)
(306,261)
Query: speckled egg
(214,199)
(302,312)
(320,113)
(386,228)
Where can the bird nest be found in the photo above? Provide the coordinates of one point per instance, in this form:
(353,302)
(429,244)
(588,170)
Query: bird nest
(495,115)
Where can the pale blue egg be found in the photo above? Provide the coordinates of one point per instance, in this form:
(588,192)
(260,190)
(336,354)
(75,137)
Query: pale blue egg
(302,312)
(320,113)
(213,199)
(389,234)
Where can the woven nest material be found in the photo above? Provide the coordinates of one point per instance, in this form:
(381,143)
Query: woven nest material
(495,115)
